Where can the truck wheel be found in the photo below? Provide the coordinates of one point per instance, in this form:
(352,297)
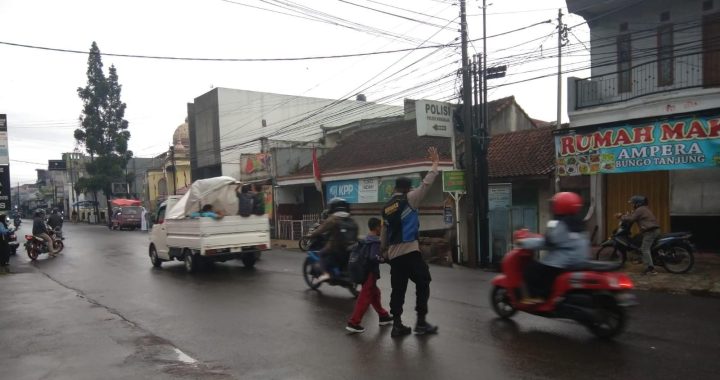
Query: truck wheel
(249,261)
(191,261)
(154,259)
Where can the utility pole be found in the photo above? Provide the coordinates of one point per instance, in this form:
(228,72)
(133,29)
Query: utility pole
(561,31)
(174,170)
(467,93)
(484,141)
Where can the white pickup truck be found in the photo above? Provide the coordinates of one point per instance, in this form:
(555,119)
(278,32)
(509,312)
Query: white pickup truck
(177,236)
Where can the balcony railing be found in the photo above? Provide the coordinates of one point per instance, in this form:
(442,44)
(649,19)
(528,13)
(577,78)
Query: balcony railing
(686,72)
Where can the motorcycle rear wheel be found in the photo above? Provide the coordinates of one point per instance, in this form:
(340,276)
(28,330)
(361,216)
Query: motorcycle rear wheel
(610,253)
(610,321)
(677,259)
(32,253)
(500,302)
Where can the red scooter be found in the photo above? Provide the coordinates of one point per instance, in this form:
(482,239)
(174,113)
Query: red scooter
(593,295)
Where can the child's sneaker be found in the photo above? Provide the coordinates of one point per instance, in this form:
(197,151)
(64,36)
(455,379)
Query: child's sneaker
(425,328)
(386,320)
(355,329)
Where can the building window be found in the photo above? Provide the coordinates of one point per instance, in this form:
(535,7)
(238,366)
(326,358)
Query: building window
(666,62)
(624,62)
(711,50)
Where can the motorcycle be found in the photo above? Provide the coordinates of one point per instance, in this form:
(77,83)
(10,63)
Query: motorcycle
(593,294)
(35,246)
(672,251)
(12,241)
(312,270)
(17,222)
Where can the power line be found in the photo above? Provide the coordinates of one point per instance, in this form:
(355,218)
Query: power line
(392,14)
(278,59)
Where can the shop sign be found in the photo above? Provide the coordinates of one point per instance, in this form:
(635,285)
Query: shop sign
(4,155)
(689,143)
(387,187)
(368,190)
(453,181)
(347,190)
(5,189)
(499,195)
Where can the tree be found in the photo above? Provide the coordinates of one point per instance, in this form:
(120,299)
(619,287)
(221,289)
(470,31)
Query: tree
(103,130)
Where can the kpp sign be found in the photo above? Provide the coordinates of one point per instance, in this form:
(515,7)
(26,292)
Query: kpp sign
(434,118)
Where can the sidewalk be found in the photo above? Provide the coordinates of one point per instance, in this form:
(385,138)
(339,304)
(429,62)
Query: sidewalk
(702,280)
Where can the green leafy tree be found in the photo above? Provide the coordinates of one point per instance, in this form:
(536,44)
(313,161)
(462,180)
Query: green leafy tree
(103,130)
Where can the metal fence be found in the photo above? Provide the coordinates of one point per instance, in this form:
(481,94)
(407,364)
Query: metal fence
(681,72)
(293,229)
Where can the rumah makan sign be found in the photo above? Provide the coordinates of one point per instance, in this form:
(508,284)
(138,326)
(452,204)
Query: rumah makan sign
(689,143)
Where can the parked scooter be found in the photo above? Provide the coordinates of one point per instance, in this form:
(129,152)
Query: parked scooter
(593,295)
(672,251)
(12,241)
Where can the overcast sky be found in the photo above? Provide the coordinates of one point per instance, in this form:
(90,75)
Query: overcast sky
(38,88)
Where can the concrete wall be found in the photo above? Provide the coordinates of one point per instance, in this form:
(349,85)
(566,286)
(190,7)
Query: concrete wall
(230,120)
(695,192)
(510,119)
(287,161)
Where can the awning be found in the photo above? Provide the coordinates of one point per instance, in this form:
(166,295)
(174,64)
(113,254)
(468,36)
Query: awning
(125,202)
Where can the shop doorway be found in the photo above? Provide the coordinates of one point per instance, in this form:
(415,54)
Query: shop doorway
(621,186)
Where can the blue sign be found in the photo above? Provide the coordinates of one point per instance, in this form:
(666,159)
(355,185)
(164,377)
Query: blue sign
(347,190)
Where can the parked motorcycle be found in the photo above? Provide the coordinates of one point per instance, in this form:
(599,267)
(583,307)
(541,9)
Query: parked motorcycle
(17,222)
(12,241)
(35,246)
(593,295)
(672,251)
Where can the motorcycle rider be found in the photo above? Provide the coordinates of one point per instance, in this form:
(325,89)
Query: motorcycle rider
(40,231)
(341,232)
(567,243)
(55,221)
(649,228)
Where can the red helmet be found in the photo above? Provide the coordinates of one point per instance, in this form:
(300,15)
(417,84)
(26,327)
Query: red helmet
(566,203)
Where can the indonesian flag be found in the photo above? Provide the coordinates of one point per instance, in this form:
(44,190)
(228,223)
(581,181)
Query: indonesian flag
(316,171)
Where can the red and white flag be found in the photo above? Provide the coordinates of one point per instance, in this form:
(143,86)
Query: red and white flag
(316,171)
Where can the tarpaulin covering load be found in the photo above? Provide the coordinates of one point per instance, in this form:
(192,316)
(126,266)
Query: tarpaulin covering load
(125,202)
(220,192)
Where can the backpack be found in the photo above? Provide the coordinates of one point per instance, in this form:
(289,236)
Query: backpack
(359,262)
(346,232)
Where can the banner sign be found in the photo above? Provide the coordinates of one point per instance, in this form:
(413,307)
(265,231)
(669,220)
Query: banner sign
(347,190)
(453,181)
(690,143)
(4,155)
(5,189)
(255,166)
(499,195)
(366,190)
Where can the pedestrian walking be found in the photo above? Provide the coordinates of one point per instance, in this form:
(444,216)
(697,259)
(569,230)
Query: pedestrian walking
(399,238)
(370,293)
(143,220)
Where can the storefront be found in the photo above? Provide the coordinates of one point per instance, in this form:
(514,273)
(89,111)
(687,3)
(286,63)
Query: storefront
(674,161)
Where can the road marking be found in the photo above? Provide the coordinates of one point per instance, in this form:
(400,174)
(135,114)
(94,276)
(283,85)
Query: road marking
(183,357)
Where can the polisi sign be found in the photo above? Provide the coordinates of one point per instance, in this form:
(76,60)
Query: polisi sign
(434,118)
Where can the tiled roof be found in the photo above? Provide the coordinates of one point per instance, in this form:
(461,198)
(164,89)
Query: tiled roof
(523,153)
(387,145)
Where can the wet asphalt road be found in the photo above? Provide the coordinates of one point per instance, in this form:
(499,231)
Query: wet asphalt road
(265,324)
